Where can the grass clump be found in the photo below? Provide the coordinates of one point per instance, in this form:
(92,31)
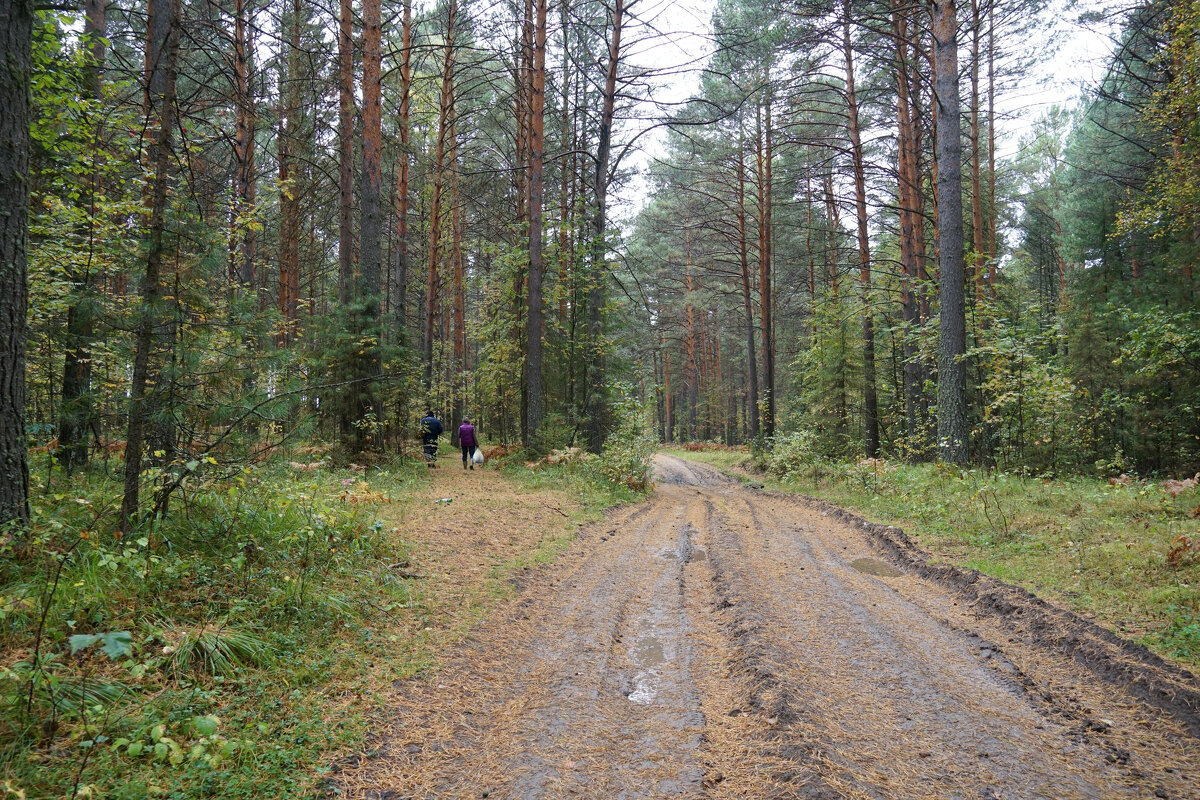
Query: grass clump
(1104,548)
(212,648)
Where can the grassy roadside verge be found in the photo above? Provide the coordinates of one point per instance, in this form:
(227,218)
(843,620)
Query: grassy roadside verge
(228,651)
(1109,551)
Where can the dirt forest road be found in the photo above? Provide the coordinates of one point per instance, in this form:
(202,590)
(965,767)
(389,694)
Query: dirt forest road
(722,641)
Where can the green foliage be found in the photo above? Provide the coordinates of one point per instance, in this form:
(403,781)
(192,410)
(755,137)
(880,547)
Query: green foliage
(148,670)
(1036,418)
(830,382)
(1170,202)
(625,458)
(795,454)
(497,379)
(115,644)
(44,688)
(1181,638)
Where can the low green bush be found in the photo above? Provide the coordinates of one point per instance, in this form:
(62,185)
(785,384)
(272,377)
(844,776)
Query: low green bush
(176,659)
(625,459)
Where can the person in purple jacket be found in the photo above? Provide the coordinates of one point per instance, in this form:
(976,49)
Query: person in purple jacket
(466,438)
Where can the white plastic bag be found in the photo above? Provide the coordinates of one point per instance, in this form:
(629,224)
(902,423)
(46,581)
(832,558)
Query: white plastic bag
(478,457)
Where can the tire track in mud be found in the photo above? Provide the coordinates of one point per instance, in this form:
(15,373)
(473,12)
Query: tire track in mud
(880,698)
(718,642)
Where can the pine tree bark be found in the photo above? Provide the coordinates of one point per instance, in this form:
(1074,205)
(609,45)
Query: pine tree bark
(370,271)
(596,404)
(16,26)
(445,114)
(990,224)
(161,59)
(77,410)
(533,315)
(812,255)
(841,397)
(566,173)
(668,422)
(289,200)
(977,225)
(908,178)
(523,104)
(870,397)
(458,302)
(952,346)
(765,156)
(242,236)
(747,298)
(345,153)
(402,166)
(691,375)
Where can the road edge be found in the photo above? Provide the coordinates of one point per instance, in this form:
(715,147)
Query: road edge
(1160,683)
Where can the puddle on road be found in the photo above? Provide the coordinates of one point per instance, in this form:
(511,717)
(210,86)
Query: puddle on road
(871,566)
(645,688)
(699,554)
(648,654)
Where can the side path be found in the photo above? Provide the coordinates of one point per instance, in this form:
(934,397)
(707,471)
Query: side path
(717,641)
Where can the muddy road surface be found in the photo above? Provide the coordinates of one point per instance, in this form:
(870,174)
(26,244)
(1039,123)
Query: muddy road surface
(722,641)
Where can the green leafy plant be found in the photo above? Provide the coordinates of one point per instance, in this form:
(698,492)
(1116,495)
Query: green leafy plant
(115,644)
(625,457)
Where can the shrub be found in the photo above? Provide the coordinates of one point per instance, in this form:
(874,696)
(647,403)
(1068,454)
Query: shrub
(625,457)
(794,454)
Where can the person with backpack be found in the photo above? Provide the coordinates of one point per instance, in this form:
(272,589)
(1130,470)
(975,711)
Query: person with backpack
(431,429)
(468,442)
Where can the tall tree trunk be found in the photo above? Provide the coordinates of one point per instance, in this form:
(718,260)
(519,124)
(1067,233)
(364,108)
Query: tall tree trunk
(524,103)
(841,399)
(242,238)
(345,153)
(370,272)
(909,209)
(925,289)
(161,59)
(977,229)
(691,375)
(445,114)
(533,331)
(77,411)
(670,429)
(400,256)
(812,257)
(870,398)
(16,32)
(566,173)
(747,299)
(458,300)
(765,156)
(991,176)
(289,200)
(598,284)
(952,347)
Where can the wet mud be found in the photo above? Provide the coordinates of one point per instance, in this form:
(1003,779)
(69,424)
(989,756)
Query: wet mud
(721,641)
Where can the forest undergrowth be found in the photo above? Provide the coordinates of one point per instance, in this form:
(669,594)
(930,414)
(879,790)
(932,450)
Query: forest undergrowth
(1125,551)
(229,649)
